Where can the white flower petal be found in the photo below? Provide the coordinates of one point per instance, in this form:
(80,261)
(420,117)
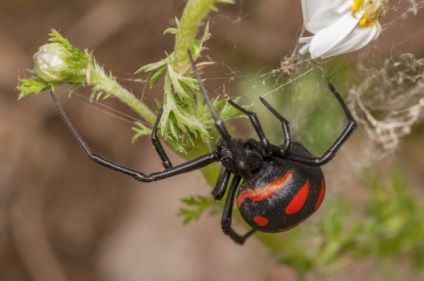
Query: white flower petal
(305,39)
(339,26)
(319,14)
(305,48)
(358,39)
(328,38)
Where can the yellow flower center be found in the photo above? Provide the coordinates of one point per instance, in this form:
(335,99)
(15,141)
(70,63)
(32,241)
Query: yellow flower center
(372,10)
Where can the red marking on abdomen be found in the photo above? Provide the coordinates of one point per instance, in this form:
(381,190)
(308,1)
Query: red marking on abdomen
(320,196)
(266,191)
(298,200)
(261,221)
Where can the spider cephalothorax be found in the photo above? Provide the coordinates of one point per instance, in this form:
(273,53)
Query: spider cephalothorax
(250,150)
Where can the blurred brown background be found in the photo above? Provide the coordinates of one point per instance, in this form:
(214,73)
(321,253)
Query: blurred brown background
(63,217)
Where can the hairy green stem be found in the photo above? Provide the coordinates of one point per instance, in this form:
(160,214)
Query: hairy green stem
(193,14)
(108,85)
(188,28)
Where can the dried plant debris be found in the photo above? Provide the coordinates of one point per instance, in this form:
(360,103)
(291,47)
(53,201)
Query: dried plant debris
(388,103)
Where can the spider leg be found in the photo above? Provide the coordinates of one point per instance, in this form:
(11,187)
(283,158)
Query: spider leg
(221,185)
(237,150)
(266,146)
(284,124)
(157,144)
(341,139)
(189,166)
(226,220)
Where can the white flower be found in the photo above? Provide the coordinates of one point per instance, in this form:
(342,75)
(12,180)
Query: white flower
(340,26)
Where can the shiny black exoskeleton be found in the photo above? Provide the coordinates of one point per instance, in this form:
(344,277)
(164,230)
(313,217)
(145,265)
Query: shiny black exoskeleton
(281,185)
(281,193)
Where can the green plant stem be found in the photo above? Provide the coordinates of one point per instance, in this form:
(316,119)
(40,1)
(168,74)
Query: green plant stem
(193,14)
(188,26)
(103,83)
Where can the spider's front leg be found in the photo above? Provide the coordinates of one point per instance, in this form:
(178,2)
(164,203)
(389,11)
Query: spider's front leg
(237,150)
(348,130)
(157,144)
(265,145)
(281,150)
(186,167)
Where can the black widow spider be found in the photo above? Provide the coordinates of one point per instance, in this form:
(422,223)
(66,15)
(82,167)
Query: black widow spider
(281,185)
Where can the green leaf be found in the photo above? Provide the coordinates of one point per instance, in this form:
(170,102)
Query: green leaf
(140,130)
(155,70)
(171,30)
(196,205)
(31,86)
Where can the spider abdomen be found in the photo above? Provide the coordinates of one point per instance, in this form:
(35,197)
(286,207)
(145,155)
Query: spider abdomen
(281,195)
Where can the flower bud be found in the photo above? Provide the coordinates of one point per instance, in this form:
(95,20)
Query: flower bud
(50,63)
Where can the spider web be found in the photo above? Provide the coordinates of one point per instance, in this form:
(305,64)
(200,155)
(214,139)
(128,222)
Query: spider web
(385,94)
(387,101)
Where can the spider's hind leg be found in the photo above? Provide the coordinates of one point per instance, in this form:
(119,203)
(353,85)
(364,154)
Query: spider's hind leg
(226,220)
(221,185)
